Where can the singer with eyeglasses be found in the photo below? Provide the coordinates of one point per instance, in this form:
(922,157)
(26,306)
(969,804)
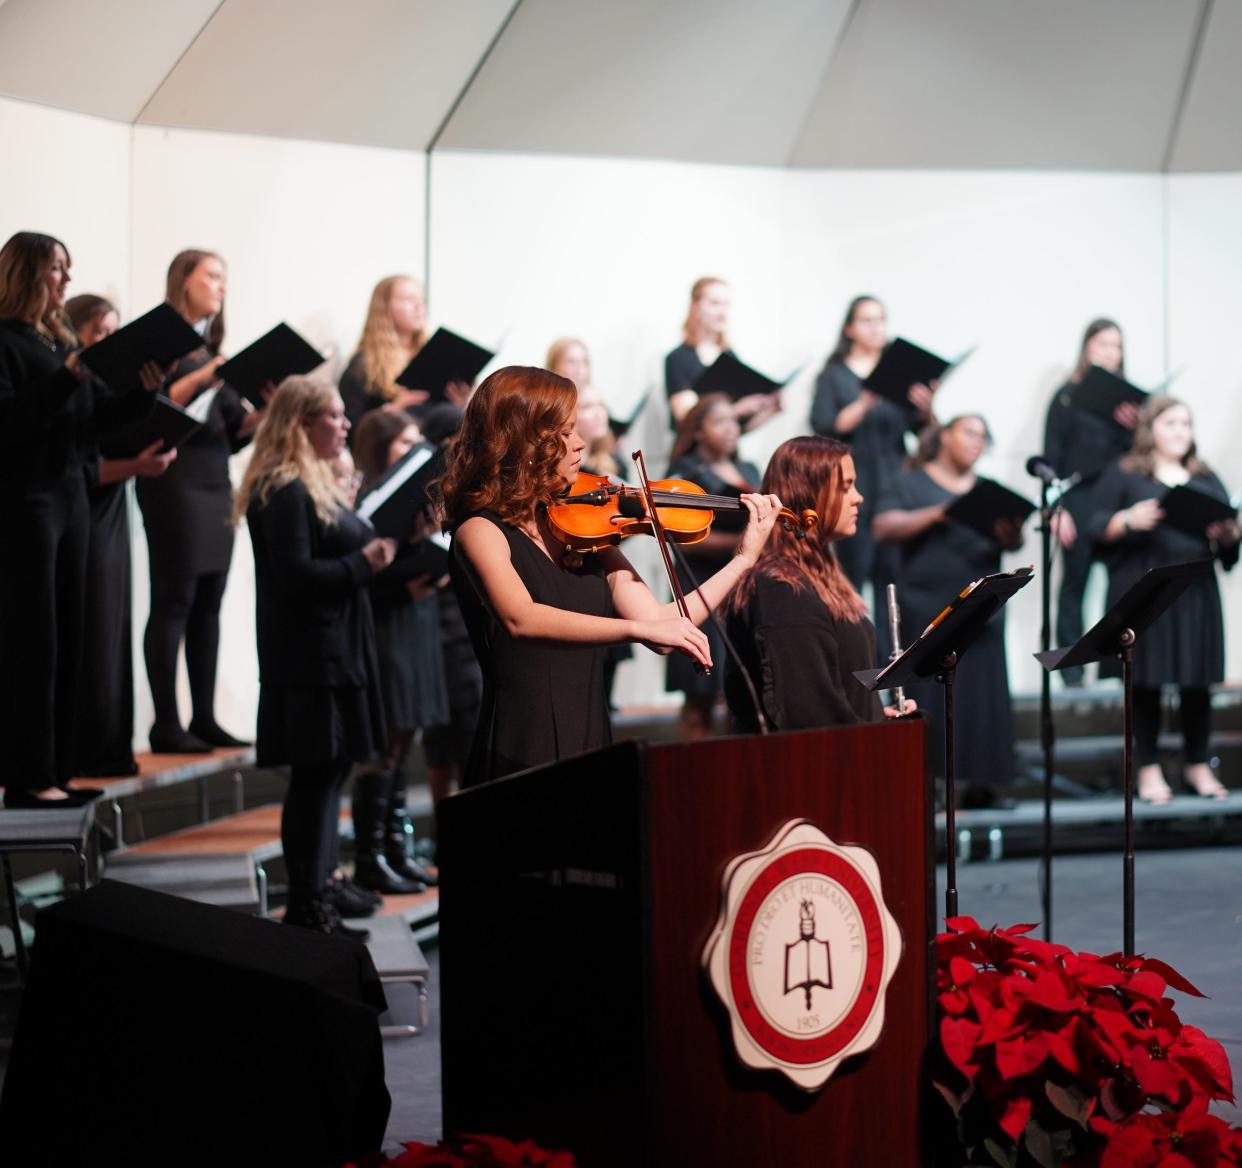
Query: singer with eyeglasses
(797,622)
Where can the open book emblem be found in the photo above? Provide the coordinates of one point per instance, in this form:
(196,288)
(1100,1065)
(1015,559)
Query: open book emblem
(803,953)
(807,958)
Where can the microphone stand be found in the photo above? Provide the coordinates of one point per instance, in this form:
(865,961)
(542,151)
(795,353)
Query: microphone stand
(1047,734)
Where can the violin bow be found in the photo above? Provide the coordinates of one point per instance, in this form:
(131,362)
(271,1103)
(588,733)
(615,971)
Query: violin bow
(657,529)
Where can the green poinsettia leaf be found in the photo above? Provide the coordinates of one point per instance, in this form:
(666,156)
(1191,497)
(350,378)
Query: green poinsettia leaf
(1002,1156)
(1069,1101)
(1039,1147)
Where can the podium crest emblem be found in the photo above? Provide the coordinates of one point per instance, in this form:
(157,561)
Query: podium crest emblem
(803,953)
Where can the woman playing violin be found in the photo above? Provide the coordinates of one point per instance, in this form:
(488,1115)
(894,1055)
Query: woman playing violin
(540,619)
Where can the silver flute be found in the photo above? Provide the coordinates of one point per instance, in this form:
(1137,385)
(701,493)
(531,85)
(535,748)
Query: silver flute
(894,629)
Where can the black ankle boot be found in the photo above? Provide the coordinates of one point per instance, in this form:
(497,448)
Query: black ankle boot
(350,899)
(370,814)
(398,858)
(320,916)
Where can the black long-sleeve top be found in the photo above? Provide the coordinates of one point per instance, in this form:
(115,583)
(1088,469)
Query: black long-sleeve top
(49,418)
(44,408)
(1076,441)
(801,660)
(312,601)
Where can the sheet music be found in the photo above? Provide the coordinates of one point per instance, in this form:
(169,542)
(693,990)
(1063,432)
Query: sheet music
(378,497)
(200,407)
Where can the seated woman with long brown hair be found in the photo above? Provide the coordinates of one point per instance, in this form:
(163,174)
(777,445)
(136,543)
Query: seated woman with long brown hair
(798,624)
(540,619)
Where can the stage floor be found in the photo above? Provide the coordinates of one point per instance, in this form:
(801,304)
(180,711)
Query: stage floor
(1188,913)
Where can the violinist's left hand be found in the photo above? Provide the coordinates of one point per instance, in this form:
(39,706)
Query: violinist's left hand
(764,510)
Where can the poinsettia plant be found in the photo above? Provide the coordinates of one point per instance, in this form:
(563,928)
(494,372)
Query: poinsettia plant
(1050,1057)
(471,1151)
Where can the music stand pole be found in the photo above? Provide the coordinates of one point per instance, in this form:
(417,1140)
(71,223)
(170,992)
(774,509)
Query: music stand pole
(1127,639)
(1046,733)
(945,678)
(1115,635)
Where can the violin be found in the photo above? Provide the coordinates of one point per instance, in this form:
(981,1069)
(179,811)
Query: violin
(599,513)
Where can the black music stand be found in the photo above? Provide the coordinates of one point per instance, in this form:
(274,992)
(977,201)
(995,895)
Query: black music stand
(936,654)
(1115,636)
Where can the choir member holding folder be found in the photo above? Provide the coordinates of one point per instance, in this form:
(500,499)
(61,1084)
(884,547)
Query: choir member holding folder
(797,622)
(706,453)
(186,514)
(319,699)
(48,403)
(1081,438)
(875,427)
(411,668)
(703,343)
(1162,505)
(941,552)
(105,705)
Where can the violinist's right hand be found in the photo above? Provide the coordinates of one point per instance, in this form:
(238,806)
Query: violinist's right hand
(663,636)
(379,553)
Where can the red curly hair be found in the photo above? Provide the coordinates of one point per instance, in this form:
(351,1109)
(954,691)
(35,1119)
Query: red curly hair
(504,459)
(806,472)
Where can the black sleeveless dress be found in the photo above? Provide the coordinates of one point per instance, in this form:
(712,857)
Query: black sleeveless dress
(541,701)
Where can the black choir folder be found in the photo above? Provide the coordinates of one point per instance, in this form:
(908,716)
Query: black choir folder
(396,500)
(161,335)
(445,358)
(730,376)
(904,365)
(166,423)
(1193,511)
(278,354)
(986,503)
(1100,393)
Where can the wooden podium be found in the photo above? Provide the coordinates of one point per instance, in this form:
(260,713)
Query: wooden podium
(575,905)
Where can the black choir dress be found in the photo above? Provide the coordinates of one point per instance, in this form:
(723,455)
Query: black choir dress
(679,672)
(319,694)
(106,689)
(934,567)
(1076,441)
(682,368)
(105,706)
(878,447)
(358,399)
(1186,646)
(188,510)
(411,665)
(801,660)
(541,702)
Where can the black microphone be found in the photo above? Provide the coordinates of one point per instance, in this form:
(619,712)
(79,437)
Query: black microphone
(1041,468)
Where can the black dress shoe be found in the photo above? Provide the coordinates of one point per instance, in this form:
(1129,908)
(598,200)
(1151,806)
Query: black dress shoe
(213,735)
(86,794)
(174,740)
(21,798)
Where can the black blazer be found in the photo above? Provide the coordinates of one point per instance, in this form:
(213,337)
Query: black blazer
(312,602)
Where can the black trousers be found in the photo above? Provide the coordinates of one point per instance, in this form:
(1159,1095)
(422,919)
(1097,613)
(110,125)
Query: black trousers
(41,607)
(183,608)
(1196,712)
(309,824)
